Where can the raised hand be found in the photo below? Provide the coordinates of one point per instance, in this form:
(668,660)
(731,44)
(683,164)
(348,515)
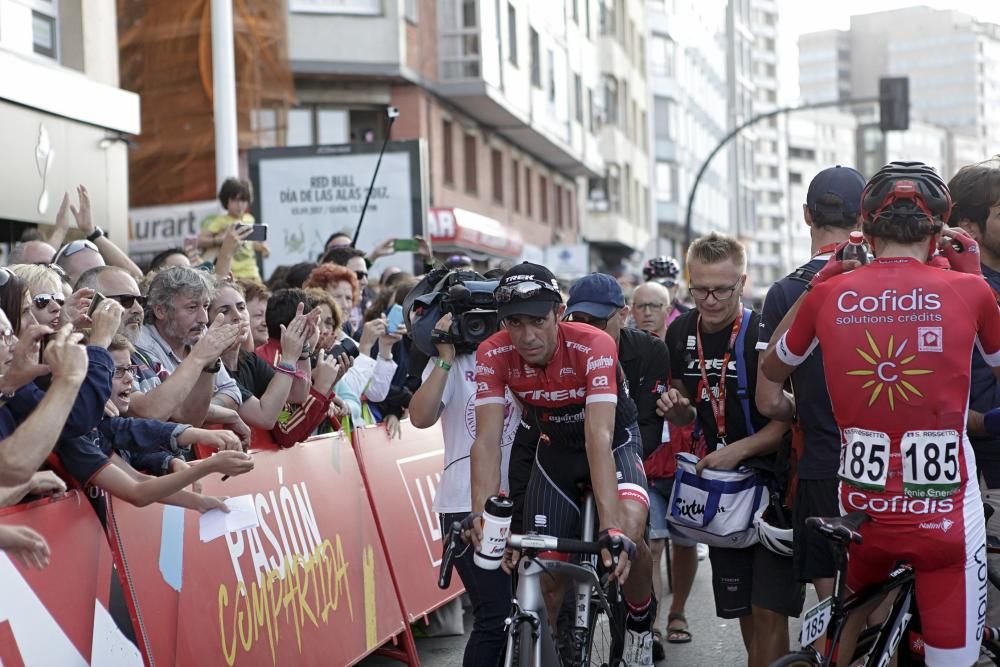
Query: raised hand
(219,338)
(74,311)
(84,221)
(24,366)
(106,320)
(65,357)
(293,337)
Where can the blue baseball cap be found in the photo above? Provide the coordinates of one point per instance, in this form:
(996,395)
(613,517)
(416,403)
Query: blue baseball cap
(846,183)
(598,295)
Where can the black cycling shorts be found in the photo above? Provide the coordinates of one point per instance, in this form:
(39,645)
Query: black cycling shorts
(813,555)
(553,498)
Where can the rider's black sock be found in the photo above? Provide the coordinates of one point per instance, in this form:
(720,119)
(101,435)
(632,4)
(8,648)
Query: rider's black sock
(640,616)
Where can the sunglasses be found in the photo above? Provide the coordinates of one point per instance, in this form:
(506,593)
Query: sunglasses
(74,247)
(523,290)
(583,318)
(362,275)
(128,300)
(42,301)
(120,371)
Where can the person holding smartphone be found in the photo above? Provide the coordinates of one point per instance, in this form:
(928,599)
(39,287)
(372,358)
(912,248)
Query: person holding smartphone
(235,195)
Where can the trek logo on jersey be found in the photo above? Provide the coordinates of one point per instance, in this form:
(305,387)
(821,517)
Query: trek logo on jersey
(888,371)
(500,350)
(579,347)
(598,363)
(556,395)
(889,300)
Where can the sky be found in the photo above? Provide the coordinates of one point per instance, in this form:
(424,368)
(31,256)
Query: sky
(802,16)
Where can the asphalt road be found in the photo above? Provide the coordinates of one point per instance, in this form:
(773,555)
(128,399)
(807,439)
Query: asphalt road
(716,642)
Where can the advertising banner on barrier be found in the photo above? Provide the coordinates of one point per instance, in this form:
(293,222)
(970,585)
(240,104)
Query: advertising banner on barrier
(308,585)
(62,615)
(403,476)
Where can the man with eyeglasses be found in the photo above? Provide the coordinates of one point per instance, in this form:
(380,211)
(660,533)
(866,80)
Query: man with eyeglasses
(567,377)
(650,302)
(752,584)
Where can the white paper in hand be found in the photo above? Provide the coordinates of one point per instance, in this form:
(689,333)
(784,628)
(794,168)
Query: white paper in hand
(216,523)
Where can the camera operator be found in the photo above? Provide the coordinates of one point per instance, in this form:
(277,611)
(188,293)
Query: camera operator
(448,392)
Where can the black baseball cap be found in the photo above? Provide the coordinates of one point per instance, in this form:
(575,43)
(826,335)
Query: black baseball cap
(514,294)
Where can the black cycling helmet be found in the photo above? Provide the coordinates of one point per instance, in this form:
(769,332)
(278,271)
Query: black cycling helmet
(661,267)
(906,189)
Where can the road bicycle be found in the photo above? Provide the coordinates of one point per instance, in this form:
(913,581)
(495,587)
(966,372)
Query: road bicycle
(597,637)
(877,643)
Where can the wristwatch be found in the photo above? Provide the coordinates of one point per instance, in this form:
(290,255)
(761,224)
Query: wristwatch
(96,234)
(214,367)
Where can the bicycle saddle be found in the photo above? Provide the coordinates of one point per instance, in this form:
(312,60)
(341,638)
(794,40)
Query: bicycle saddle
(843,529)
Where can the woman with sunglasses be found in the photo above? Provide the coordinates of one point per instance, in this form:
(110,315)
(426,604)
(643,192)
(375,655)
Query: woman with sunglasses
(45,290)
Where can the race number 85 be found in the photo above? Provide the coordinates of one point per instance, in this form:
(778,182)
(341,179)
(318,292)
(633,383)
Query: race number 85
(864,460)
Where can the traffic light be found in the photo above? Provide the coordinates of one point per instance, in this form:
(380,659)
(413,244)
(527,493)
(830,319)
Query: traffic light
(894,103)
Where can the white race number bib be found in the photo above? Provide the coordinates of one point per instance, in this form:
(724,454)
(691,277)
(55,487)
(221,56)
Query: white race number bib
(864,459)
(931,468)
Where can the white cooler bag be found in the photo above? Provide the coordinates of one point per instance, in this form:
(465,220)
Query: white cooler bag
(719,507)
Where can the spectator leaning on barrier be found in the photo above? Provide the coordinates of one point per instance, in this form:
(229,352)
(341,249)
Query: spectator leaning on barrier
(392,408)
(175,332)
(753,584)
(831,211)
(448,393)
(650,302)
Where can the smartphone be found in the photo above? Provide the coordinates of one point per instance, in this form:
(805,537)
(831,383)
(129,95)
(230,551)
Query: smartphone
(395,318)
(346,346)
(259,232)
(406,245)
(94,302)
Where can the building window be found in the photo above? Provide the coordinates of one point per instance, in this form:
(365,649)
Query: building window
(496,166)
(45,27)
(594,121)
(528,202)
(661,56)
(551,75)
(515,171)
(471,175)
(610,100)
(300,127)
(586,16)
(568,194)
(543,197)
(605,18)
(662,130)
(459,40)
(575,5)
(627,190)
(623,109)
(512,34)
(614,189)
(448,150)
(536,59)
(559,206)
(578,97)
(411,11)
(665,175)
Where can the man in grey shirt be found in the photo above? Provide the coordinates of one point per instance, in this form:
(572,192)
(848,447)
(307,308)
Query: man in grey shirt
(177,341)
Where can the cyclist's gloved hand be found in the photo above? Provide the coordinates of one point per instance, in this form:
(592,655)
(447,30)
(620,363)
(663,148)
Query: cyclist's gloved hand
(472,529)
(991,422)
(613,536)
(965,260)
(834,266)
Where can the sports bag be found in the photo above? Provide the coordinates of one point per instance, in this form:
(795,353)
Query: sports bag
(718,507)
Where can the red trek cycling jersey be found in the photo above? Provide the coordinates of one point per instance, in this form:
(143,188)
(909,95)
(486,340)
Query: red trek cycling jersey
(897,339)
(584,369)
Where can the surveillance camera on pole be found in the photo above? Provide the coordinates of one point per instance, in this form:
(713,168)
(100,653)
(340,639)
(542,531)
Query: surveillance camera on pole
(392,113)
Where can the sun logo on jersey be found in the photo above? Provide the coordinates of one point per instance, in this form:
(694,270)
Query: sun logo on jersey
(888,373)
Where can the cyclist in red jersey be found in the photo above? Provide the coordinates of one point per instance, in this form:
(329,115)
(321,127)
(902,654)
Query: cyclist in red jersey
(568,379)
(897,337)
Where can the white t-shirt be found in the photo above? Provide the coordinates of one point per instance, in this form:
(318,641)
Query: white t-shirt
(458,422)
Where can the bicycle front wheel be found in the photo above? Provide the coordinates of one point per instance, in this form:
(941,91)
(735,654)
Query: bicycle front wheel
(606,639)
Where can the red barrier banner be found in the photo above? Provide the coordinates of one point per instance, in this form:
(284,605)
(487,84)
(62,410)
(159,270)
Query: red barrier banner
(403,476)
(60,615)
(310,585)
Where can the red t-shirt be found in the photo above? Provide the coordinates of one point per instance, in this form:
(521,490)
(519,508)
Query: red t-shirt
(897,339)
(584,369)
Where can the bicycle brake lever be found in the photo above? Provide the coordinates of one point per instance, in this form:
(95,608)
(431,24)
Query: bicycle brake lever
(448,557)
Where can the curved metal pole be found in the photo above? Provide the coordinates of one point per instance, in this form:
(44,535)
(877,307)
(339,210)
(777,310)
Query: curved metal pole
(688,232)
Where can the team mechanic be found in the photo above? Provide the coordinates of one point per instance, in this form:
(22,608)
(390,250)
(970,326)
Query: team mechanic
(567,377)
(898,337)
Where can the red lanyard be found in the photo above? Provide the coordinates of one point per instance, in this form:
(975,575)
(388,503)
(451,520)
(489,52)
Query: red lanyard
(718,404)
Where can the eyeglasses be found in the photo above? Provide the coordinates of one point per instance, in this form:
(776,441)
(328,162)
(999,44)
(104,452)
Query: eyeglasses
(362,275)
(649,306)
(8,337)
(523,290)
(128,300)
(720,293)
(42,301)
(120,371)
(74,247)
(584,318)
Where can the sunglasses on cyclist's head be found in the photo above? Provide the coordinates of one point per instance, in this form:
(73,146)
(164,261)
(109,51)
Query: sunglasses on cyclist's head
(42,301)
(526,289)
(74,247)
